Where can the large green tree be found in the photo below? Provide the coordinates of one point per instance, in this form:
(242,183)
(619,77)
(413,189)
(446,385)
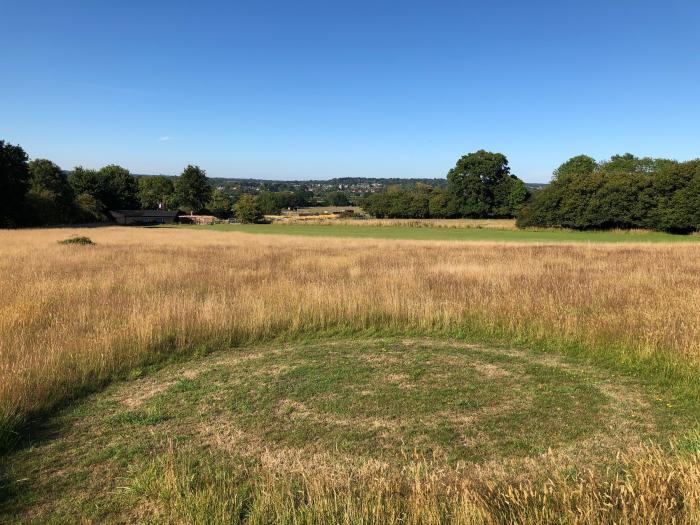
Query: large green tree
(119,188)
(482,185)
(48,176)
(14,183)
(192,189)
(50,195)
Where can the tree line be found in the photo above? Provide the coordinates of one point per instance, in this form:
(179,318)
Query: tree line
(39,192)
(624,192)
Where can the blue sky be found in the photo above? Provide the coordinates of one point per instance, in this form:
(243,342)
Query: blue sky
(301,89)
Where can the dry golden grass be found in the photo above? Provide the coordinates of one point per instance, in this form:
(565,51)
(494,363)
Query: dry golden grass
(72,317)
(646,488)
(71,314)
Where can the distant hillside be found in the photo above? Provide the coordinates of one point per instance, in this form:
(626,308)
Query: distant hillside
(534,186)
(353,185)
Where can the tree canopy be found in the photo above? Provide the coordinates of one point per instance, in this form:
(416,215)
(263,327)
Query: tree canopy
(112,185)
(120,188)
(192,189)
(220,204)
(86,181)
(47,176)
(483,186)
(337,198)
(622,192)
(156,191)
(579,165)
(50,198)
(14,183)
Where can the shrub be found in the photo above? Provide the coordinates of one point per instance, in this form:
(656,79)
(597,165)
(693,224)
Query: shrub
(247,210)
(77,240)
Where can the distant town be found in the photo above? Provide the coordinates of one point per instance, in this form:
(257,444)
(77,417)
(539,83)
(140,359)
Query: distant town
(357,186)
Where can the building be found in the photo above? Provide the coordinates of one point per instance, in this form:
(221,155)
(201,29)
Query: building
(197,219)
(142,217)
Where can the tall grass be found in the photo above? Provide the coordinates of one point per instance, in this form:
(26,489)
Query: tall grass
(644,488)
(73,317)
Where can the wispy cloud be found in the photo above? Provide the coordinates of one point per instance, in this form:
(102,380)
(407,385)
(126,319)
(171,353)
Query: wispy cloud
(165,138)
(103,87)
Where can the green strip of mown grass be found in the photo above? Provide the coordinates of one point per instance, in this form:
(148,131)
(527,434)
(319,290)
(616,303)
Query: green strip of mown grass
(449,234)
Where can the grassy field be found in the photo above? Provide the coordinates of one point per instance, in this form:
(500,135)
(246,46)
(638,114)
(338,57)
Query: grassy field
(192,375)
(419,231)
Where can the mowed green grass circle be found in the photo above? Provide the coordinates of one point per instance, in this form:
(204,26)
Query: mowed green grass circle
(392,400)
(463,403)
(399,398)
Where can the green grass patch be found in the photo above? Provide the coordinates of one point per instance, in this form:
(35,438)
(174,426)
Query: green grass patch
(447,234)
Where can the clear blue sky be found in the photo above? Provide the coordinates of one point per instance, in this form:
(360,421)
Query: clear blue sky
(300,89)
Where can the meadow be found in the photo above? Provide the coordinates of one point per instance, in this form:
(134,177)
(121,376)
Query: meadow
(193,375)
